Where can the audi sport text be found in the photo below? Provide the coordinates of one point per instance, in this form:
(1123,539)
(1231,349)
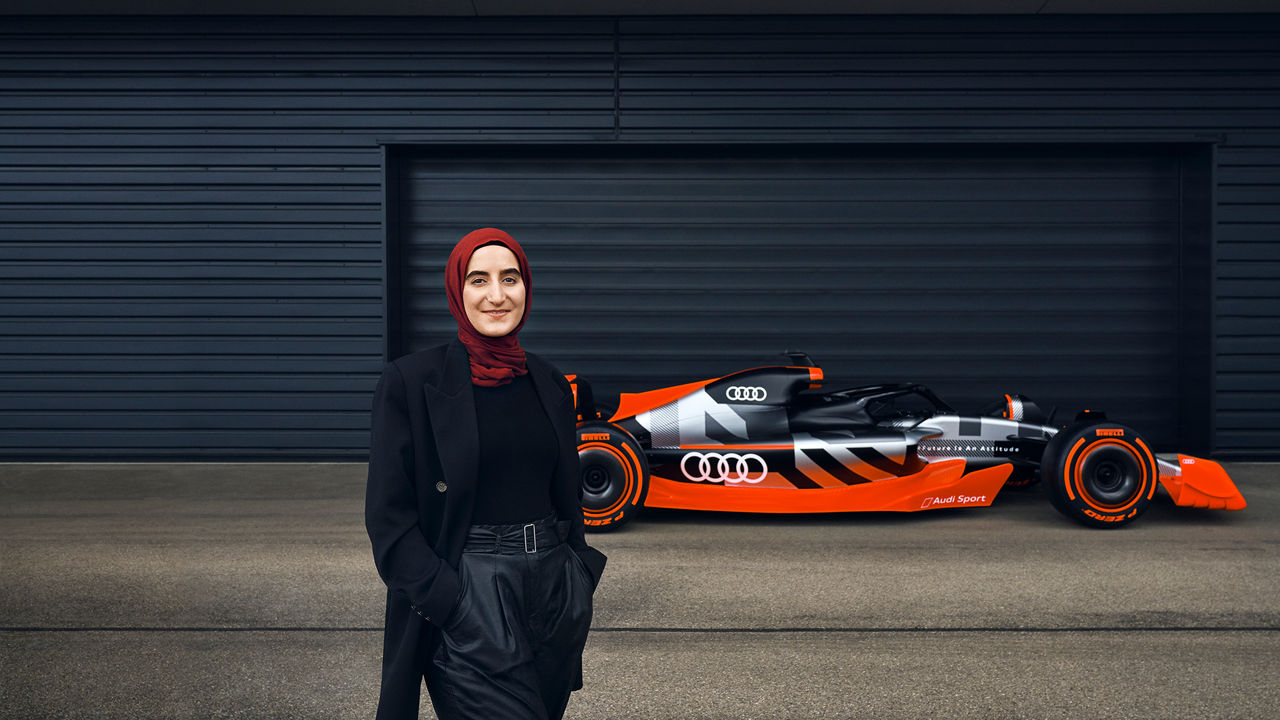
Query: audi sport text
(954,501)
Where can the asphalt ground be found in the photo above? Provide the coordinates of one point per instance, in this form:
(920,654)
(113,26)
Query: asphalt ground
(247,590)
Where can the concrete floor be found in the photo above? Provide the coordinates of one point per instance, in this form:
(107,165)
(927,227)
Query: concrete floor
(247,590)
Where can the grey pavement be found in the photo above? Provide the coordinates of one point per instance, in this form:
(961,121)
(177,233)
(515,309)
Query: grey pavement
(247,590)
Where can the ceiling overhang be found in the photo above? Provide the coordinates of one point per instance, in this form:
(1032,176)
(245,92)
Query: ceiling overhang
(496,8)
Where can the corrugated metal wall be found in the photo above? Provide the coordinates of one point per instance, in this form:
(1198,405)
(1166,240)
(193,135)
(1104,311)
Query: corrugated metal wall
(1049,271)
(1247,291)
(191,216)
(190,209)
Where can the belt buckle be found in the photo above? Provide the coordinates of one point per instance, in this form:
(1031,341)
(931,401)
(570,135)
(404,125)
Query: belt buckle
(530,538)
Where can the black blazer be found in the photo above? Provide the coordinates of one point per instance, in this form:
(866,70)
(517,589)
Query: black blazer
(421,490)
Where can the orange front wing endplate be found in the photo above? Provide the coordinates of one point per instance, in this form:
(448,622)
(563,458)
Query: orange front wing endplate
(1199,483)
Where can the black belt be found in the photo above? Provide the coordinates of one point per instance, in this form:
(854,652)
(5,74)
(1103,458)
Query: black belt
(514,539)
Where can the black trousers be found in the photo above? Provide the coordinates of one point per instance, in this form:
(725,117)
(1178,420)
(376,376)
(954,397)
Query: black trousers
(513,647)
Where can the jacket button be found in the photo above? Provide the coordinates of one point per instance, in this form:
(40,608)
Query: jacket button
(441,487)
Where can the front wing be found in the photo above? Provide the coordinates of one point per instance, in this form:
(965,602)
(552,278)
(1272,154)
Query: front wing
(1199,483)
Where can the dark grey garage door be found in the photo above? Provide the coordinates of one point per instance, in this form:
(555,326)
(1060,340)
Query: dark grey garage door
(1048,271)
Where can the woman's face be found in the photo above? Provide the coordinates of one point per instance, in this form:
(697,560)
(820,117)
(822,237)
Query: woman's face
(493,291)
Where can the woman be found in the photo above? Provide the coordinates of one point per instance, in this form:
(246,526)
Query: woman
(473,508)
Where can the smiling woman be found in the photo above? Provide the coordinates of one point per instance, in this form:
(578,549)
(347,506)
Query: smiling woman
(474,509)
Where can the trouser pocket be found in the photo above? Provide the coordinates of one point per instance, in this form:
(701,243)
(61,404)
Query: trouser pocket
(513,647)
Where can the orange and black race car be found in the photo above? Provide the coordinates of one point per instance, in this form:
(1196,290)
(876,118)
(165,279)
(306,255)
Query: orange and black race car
(761,440)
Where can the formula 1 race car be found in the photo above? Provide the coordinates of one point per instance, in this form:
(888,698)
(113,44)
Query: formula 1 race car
(757,441)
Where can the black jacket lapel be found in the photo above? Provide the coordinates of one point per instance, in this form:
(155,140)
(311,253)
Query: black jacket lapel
(553,399)
(452,410)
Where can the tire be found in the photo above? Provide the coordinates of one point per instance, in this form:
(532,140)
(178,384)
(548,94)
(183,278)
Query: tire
(615,476)
(1099,474)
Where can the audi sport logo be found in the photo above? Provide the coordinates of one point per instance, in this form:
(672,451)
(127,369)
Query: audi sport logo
(741,393)
(952,501)
(727,468)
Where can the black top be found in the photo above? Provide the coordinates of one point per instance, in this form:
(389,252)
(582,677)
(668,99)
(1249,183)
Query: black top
(517,455)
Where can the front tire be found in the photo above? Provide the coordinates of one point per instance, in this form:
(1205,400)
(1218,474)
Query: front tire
(615,476)
(1099,474)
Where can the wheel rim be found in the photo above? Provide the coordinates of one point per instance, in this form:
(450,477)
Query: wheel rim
(606,479)
(595,480)
(1111,476)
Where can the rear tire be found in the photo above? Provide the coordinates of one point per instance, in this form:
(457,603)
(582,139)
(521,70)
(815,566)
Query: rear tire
(1099,474)
(615,476)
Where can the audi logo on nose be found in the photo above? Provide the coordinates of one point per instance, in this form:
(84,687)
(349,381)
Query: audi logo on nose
(742,393)
(726,468)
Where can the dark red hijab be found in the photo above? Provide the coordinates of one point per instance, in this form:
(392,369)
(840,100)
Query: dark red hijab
(494,360)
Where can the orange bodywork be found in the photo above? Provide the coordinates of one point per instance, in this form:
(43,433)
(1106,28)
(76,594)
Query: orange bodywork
(1202,484)
(630,404)
(939,485)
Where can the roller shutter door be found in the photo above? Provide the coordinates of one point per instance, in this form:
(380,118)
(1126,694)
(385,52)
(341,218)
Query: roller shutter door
(1041,270)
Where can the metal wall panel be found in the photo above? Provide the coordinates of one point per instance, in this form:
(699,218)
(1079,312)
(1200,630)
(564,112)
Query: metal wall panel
(1247,300)
(1050,272)
(191,208)
(191,216)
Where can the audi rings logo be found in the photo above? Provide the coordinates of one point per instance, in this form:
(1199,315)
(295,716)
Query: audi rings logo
(741,393)
(726,468)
